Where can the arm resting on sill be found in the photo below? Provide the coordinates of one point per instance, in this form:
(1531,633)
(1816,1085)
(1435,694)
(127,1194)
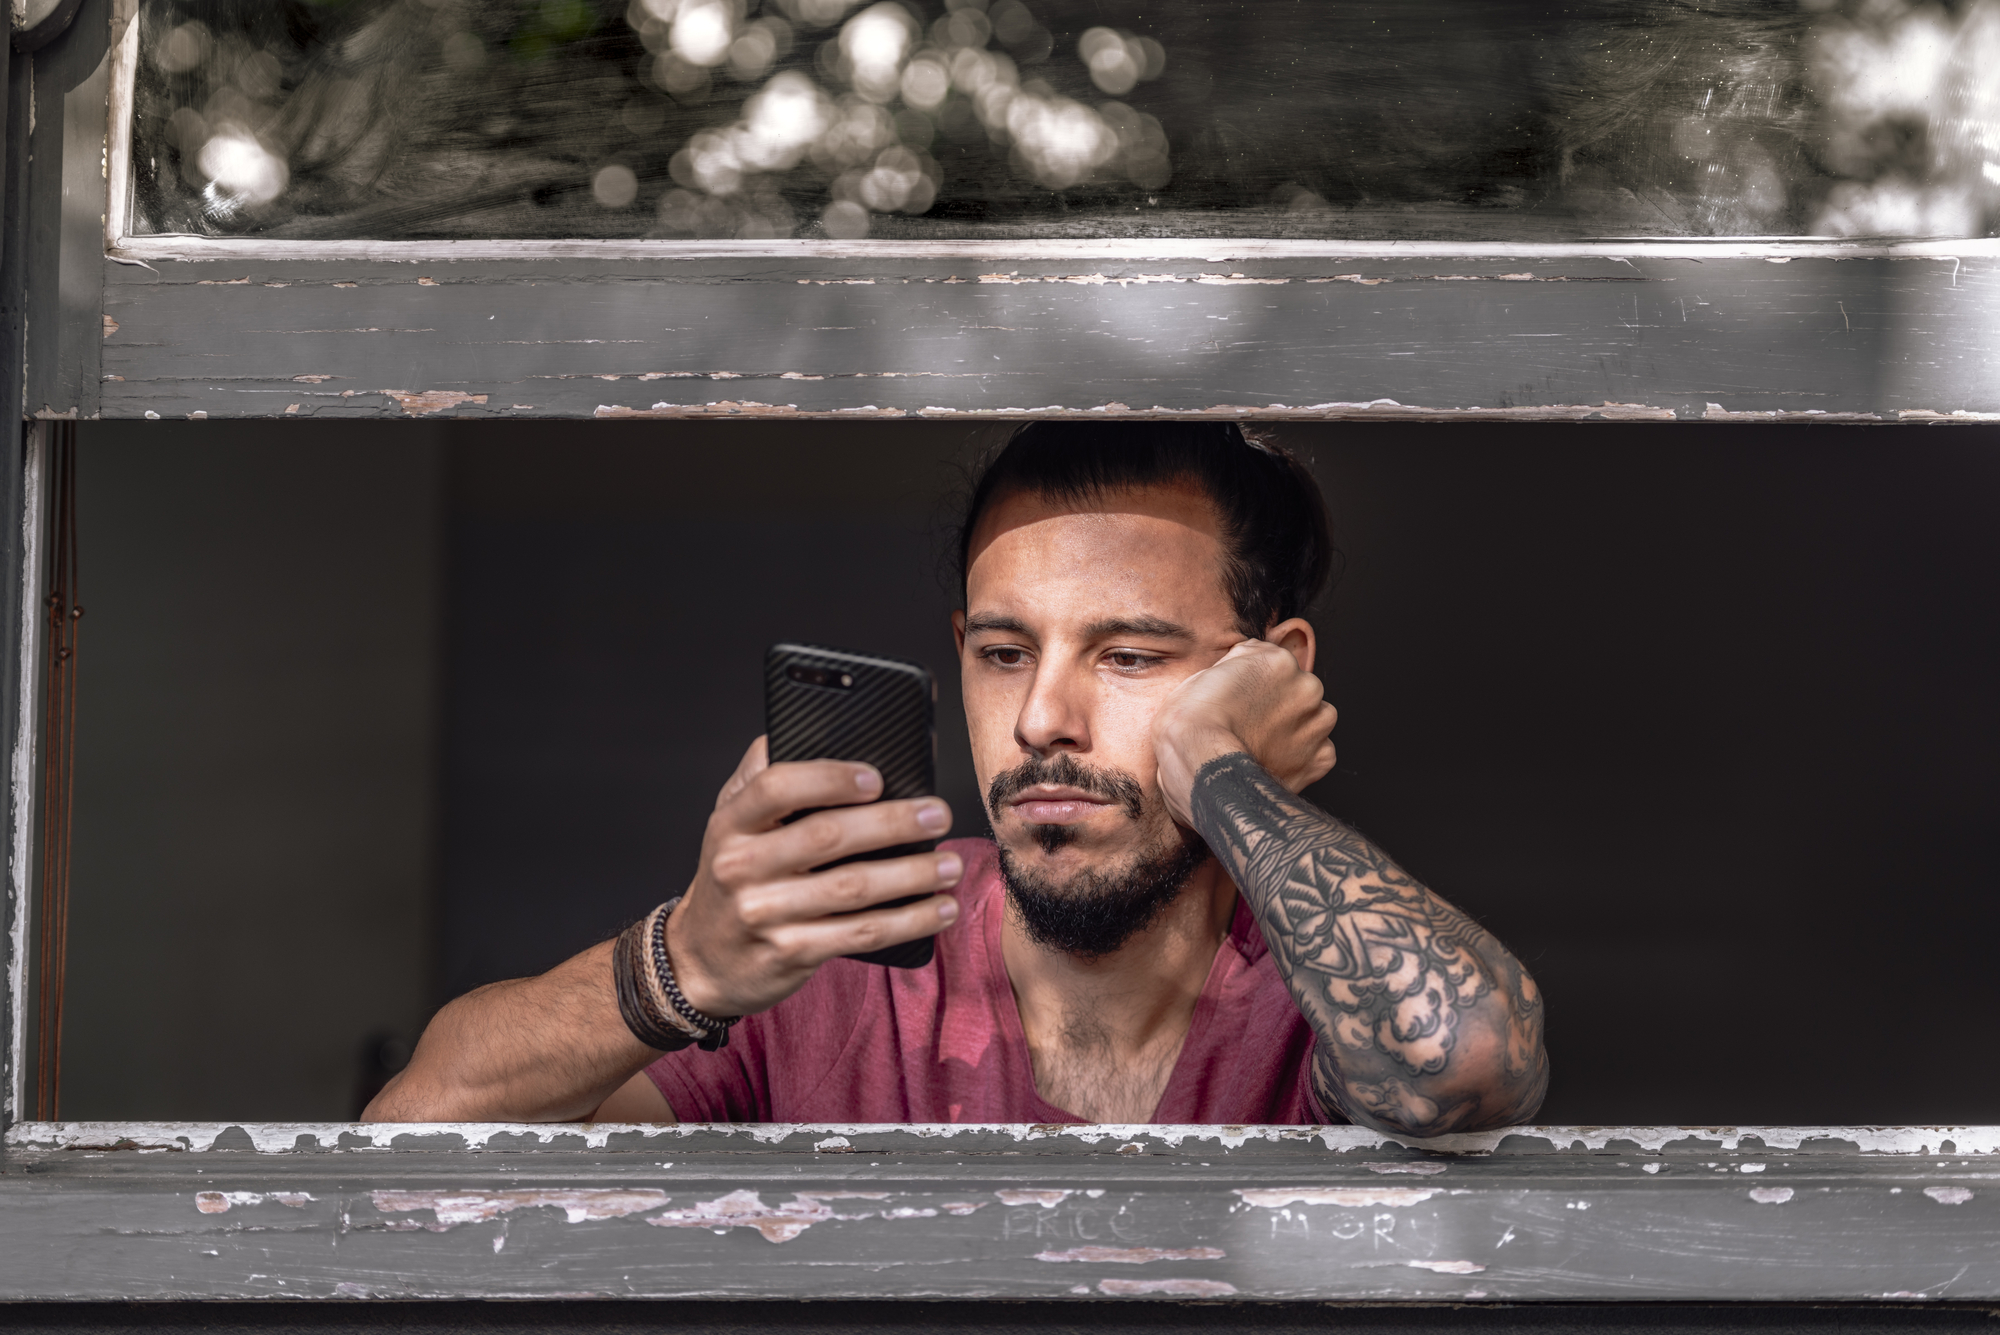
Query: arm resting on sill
(1426,1023)
(547,1049)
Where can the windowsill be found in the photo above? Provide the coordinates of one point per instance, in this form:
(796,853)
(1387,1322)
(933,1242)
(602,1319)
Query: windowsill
(212,1211)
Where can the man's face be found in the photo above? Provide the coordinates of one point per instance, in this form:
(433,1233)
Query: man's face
(1080,619)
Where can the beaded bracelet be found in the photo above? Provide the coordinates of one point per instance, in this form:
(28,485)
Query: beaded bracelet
(712,1032)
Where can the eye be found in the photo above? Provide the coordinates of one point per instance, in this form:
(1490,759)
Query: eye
(1127,659)
(1006,655)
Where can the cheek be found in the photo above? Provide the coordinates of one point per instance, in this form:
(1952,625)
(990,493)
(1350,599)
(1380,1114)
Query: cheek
(1122,732)
(992,703)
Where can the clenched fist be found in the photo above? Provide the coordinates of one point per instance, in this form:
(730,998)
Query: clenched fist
(1257,698)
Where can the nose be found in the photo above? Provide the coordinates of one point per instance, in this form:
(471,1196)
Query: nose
(1056,714)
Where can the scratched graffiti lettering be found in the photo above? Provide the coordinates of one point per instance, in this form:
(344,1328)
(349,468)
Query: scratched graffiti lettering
(1076,1222)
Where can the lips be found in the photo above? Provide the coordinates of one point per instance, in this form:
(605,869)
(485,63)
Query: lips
(1054,805)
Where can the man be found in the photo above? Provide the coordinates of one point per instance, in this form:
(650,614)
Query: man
(1161,930)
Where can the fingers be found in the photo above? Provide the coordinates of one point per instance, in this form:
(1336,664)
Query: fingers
(828,836)
(754,761)
(816,942)
(776,791)
(858,885)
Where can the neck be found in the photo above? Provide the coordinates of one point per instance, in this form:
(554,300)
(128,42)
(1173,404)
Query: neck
(1104,1033)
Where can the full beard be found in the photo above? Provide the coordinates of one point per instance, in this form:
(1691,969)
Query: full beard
(1095,911)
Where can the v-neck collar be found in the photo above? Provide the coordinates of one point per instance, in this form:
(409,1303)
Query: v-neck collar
(1229,956)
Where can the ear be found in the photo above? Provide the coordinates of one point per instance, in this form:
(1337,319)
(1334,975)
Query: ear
(958,631)
(1296,638)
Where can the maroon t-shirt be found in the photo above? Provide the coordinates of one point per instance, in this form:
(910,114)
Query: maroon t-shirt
(861,1043)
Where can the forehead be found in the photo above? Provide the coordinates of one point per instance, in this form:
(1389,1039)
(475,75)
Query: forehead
(1151,549)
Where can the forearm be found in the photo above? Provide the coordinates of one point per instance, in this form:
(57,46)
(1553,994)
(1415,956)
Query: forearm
(546,1049)
(1426,1023)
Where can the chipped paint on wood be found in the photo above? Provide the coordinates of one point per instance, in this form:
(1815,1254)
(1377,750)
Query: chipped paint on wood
(1272,1198)
(968,1212)
(1133,1255)
(1379,410)
(1623,333)
(1166,1288)
(426,401)
(1212,250)
(21,778)
(578,1204)
(218,1202)
(778,1223)
(280,1138)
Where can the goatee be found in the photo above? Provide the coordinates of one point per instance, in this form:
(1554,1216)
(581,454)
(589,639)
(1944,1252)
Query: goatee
(1096,912)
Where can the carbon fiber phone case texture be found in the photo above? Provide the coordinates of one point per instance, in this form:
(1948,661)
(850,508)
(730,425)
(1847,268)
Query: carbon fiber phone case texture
(833,704)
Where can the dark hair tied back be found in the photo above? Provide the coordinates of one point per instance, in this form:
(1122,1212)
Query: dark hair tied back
(1279,548)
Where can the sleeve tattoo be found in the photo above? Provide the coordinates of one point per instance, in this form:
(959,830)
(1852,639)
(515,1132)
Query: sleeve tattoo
(1426,1024)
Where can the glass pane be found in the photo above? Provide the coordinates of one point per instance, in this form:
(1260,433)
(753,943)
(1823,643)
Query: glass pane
(1494,119)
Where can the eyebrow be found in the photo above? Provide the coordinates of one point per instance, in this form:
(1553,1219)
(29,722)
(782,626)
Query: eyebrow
(986,622)
(1154,628)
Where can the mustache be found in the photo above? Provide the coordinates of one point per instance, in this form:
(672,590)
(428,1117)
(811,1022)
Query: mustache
(1067,771)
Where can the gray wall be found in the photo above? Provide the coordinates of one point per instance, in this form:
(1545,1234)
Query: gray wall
(257,761)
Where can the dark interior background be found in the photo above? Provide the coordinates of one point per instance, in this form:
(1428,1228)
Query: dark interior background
(1700,720)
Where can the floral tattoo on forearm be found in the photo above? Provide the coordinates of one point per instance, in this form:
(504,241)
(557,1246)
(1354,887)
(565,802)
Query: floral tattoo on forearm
(1426,1024)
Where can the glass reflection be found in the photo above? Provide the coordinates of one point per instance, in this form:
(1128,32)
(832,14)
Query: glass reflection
(994,118)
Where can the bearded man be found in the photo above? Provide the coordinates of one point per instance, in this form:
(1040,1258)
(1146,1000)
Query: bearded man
(1161,930)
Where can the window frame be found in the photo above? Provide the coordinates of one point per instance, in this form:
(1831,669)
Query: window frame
(124,1210)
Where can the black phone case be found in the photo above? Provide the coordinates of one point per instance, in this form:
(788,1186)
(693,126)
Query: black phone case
(884,715)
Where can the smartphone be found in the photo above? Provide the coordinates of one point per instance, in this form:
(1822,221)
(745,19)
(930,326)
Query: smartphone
(831,704)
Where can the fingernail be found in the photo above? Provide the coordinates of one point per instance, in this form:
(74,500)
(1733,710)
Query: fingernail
(867,780)
(949,869)
(934,817)
(947,910)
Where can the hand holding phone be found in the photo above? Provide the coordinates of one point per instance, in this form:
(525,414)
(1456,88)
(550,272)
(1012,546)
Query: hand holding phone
(807,860)
(831,704)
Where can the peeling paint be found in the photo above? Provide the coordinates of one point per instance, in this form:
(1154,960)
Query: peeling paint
(1134,1255)
(578,1204)
(1177,1288)
(1422,1168)
(1770,1195)
(1385,410)
(778,1223)
(110,326)
(1044,1198)
(218,1202)
(290,1137)
(431,400)
(1273,1198)
(1447,1267)
(1949,1195)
